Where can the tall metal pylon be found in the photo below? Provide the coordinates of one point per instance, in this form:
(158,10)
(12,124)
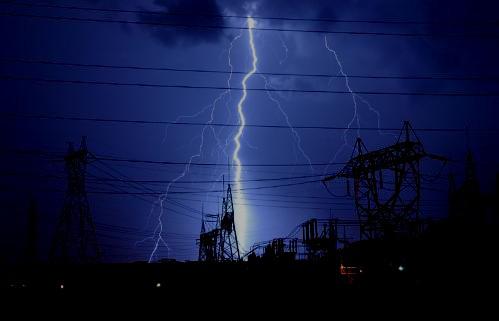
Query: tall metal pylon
(201,255)
(228,244)
(208,240)
(387,211)
(75,240)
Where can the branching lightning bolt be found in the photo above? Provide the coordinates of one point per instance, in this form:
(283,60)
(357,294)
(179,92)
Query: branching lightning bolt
(355,117)
(377,113)
(286,50)
(158,236)
(295,134)
(158,231)
(355,96)
(242,123)
(222,150)
(237,135)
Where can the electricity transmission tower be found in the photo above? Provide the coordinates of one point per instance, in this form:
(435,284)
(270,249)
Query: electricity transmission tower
(208,240)
(220,244)
(387,185)
(229,247)
(320,243)
(75,240)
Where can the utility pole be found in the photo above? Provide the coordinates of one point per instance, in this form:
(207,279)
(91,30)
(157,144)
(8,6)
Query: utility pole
(75,240)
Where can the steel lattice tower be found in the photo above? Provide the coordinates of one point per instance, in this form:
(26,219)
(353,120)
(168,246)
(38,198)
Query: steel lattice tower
(208,241)
(228,245)
(220,244)
(75,240)
(387,185)
(202,254)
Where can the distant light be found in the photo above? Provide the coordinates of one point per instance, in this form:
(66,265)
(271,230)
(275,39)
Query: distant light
(61,286)
(360,271)
(18,285)
(158,285)
(401,268)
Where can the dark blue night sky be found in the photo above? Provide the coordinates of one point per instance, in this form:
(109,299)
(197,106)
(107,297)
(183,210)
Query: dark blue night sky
(452,44)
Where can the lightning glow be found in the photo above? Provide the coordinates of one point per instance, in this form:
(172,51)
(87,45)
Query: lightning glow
(241,215)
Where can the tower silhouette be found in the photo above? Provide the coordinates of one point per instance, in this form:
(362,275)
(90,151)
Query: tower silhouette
(75,240)
(228,245)
(385,212)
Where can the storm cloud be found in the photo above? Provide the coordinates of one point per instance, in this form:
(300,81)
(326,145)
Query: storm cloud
(184,15)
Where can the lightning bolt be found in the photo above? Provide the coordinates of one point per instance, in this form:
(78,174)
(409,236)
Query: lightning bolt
(355,97)
(158,231)
(377,113)
(222,149)
(241,217)
(158,235)
(286,50)
(355,117)
(295,134)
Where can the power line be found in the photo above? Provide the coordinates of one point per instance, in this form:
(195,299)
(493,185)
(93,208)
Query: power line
(205,191)
(263,202)
(127,180)
(216,15)
(136,231)
(204,181)
(129,160)
(269,126)
(176,202)
(108,181)
(220,191)
(253,202)
(309,91)
(117,189)
(134,186)
(200,171)
(49,176)
(139,197)
(223,27)
(153,192)
(327,206)
(225,72)
(58,156)
(142,188)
